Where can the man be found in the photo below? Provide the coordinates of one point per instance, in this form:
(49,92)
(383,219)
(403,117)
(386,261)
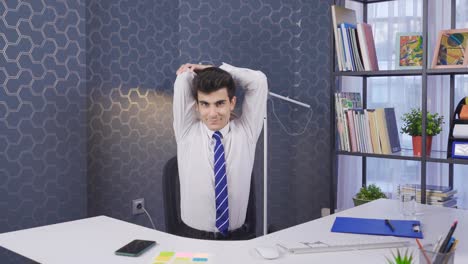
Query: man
(216,154)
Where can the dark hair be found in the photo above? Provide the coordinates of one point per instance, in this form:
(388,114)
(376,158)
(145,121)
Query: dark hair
(212,79)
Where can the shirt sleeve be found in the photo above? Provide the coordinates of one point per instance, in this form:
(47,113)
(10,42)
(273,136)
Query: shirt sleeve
(255,86)
(183,105)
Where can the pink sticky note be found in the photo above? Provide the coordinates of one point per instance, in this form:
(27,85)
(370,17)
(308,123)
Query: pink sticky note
(183,255)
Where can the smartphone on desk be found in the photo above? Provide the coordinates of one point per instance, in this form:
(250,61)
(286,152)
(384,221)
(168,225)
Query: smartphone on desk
(135,248)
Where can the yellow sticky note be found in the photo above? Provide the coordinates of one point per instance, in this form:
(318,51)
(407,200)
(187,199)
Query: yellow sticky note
(166,253)
(163,258)
(181,261)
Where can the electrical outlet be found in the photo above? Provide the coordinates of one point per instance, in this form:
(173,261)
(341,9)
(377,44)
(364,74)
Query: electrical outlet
(137,206)
(325,211)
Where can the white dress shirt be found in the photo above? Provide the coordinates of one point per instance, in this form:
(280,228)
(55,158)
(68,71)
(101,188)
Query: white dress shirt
(195,150)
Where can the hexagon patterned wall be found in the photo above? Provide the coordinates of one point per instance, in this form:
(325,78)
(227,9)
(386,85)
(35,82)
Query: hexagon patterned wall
(109,129)
(289,41)
(42,114)
(134,48)
(132,58)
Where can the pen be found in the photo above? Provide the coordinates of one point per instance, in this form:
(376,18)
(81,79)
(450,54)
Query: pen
(454,245)
(387,222)
(423,251)
(437,244)
(449,245)
(443,246)
(447,238)
(437,247)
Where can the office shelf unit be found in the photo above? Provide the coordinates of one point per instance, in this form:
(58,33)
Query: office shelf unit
(405,154)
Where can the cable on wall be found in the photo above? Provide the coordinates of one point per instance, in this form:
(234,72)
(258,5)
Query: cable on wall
(149,217)
(294,134)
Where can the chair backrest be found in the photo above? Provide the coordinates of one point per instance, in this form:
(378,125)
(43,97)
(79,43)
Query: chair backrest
(171,195)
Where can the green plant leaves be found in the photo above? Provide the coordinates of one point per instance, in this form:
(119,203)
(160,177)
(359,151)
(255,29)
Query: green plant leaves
(371,192)
(412,123)
(399,259)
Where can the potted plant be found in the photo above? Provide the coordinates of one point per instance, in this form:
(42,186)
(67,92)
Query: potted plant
(367,194)
(412,125)
(399,259)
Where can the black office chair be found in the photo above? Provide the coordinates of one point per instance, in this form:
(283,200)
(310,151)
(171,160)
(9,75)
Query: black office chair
(171,193)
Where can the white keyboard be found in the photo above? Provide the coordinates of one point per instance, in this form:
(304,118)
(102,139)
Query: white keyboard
(321,247)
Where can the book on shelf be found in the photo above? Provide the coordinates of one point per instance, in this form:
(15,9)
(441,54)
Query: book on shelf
(357,57)
(374,131)
(383,131)
(434,200)
(367,46)
(447,203)
(431,190)
(431,200)
(370,146)
(387,130)
(341,15)
(365,130)
(352,131)
(343,102)
(339,123)
(354,42)
(358,128)
(435,195)
(346,37)
(392,128)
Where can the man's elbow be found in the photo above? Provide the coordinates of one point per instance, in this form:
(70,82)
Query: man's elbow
(183,79)
(262,80)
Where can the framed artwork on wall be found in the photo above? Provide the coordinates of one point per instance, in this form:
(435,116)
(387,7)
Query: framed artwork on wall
(409,47)
(451,49)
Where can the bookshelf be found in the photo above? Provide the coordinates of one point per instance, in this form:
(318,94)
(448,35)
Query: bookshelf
(424,73)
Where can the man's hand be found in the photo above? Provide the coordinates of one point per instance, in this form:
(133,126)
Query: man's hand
(191,67)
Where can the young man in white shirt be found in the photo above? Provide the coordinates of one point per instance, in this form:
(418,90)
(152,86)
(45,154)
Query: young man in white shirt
(204,97)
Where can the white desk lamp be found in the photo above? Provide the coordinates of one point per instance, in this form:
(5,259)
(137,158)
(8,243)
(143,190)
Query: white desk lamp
(265,157)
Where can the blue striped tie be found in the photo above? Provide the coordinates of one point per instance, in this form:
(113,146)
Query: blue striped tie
(221,190)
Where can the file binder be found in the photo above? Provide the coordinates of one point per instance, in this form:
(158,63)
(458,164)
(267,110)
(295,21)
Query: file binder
(367,226)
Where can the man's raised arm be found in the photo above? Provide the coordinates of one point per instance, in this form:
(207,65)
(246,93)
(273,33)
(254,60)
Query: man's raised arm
(255,86)
(183,104)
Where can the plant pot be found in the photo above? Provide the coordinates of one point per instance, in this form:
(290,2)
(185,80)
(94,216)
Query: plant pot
(359,201)
(417,145)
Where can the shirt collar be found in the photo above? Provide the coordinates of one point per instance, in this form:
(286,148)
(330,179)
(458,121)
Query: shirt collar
(224,131)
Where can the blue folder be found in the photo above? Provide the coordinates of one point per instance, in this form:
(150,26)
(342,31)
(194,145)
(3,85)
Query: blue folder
(402,228)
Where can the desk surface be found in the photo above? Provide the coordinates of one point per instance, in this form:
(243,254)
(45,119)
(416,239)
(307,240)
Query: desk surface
(94,240)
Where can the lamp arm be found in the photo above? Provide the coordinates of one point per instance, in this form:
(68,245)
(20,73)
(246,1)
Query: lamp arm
(265,158)
(289,99)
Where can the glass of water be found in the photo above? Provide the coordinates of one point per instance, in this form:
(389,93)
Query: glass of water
(407,197)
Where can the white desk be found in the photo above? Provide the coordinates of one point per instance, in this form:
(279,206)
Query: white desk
(94,240)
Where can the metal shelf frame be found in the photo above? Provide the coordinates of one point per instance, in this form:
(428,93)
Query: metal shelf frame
(425,72)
